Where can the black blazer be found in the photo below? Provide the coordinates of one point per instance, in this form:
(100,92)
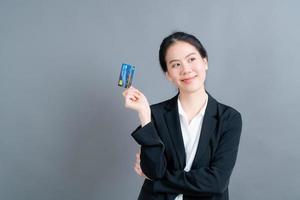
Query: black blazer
(163,154)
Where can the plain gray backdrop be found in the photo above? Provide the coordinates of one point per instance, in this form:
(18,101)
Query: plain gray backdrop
(64,131)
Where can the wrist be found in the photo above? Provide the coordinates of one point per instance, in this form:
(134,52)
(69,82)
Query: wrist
(145,117)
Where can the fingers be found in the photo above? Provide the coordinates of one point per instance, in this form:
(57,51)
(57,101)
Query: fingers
(138,158)
(132,90)
(135,94)
(132,95)
(137,165)
(135,100)
(138,170)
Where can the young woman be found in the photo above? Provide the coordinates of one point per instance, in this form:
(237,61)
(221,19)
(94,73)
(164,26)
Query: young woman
(189,143)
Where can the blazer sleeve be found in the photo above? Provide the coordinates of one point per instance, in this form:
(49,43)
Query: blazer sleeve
(207,180)
(153,162)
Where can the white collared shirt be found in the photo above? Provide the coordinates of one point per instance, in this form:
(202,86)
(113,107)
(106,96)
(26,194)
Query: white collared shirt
(191,135)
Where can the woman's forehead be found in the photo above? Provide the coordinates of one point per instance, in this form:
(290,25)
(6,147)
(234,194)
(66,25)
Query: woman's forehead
(180,50)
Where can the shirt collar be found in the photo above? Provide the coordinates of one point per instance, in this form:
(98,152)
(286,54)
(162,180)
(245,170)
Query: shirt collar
(182,113)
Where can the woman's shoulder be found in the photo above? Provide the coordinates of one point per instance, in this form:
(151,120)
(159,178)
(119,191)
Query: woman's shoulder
(224,110)
(165,104)
(214,107)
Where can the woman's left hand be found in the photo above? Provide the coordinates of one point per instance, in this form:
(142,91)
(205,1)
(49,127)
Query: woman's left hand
(137,166)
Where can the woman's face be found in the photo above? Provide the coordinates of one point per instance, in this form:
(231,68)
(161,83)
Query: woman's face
(186,69)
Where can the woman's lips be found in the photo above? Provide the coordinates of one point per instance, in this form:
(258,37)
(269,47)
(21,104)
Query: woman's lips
(188,80)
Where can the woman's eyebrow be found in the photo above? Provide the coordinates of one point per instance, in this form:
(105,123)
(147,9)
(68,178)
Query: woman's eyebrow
(185,57)
(190,54)
(173,60)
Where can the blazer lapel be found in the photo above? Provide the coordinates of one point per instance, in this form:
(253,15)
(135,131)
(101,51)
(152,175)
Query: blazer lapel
(208,128)
(173,123)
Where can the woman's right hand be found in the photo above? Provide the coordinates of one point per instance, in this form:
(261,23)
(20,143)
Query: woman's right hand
(135,100)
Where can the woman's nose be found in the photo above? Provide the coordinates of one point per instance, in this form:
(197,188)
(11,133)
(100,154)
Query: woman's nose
(186,68)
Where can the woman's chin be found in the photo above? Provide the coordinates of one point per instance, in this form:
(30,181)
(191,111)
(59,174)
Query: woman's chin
(191,88)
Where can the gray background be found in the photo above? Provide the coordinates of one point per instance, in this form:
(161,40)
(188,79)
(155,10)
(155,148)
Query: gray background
(64,131)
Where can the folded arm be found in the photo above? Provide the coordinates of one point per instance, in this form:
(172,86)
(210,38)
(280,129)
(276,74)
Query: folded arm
(213,179)
(153,162)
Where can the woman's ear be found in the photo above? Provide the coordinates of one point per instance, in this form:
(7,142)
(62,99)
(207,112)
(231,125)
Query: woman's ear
(168,76)
(206,63)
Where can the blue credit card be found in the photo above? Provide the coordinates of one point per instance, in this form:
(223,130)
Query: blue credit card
(126,75)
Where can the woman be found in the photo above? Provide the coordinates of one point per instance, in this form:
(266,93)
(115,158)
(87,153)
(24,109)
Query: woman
(189,143)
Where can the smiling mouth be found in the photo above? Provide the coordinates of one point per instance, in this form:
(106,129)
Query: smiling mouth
(188,80)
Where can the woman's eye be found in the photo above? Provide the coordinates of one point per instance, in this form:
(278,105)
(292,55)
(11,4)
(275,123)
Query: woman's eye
(192,59)
(176,65)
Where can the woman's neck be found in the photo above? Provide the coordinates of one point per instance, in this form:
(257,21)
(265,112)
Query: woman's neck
(192,103)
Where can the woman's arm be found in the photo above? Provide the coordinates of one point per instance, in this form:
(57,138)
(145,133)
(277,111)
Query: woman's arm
(207,180)
(153,162)
(136,100)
